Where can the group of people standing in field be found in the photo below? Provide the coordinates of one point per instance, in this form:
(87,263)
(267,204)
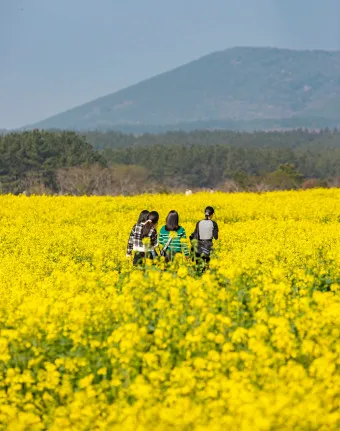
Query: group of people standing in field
(144,242)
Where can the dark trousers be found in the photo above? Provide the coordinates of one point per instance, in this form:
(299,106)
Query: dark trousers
(139,258)
(169,255)
(202,261)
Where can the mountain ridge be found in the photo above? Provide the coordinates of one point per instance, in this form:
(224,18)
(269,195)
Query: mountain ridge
(243,85)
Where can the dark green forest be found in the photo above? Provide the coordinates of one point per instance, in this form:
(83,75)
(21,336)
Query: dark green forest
(46,162)
(33,158)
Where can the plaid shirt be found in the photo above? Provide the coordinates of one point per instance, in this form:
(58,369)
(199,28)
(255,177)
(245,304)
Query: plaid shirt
(139,243)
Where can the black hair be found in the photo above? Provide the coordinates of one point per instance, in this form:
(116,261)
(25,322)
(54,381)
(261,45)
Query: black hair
(153,217)
(208,212)
(143,216)
(172,221)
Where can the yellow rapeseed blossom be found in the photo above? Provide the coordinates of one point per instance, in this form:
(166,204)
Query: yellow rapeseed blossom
(88,342)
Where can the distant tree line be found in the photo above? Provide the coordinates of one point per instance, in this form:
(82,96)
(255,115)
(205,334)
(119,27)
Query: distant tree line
(115,163)
(223,159)
(30,160)
(301,138)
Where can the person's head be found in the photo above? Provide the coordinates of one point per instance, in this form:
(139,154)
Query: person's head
(143,216)
(151,221)
(153,216)
(172,221)
(209,212)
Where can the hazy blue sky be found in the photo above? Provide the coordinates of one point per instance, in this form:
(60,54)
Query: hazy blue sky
(57,54)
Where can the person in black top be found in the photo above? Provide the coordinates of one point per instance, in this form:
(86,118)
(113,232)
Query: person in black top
(202,238)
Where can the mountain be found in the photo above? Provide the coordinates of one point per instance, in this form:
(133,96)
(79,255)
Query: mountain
(239,88)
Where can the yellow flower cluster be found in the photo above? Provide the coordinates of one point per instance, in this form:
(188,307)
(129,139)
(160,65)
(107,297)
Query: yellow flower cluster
(88,342)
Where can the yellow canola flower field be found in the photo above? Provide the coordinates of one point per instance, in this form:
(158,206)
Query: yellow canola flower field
(87,342)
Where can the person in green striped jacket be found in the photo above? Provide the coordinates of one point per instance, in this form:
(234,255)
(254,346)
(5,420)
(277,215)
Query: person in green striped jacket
(170,237)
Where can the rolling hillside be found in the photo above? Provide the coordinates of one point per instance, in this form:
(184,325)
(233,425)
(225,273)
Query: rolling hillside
(239,88)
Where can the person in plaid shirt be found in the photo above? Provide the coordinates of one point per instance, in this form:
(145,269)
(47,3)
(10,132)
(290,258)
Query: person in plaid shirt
(143,216)
(143,239)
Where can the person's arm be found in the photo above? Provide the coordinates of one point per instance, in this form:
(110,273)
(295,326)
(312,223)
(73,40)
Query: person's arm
(130,241)
(163,237)
(215,230)
(195,234)
(184,245)
(153,238)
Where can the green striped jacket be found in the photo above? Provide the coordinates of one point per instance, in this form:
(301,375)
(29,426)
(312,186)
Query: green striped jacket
(176,246)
